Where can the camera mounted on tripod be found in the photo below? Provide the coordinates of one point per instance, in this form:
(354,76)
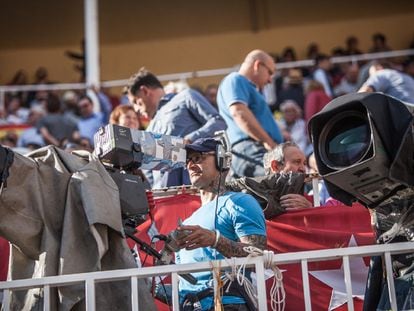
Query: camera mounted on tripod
(123,151)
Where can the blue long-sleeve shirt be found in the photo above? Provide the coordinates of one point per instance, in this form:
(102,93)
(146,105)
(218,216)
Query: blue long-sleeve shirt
(189,115)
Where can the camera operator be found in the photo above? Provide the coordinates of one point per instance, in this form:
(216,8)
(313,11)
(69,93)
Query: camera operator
(186,114)
(224,224)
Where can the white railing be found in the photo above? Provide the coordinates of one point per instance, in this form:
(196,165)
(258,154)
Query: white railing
(89,279)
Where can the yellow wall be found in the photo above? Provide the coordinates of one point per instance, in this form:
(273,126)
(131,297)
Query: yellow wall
(179,54)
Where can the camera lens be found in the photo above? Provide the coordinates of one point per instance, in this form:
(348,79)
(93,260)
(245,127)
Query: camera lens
(345,140)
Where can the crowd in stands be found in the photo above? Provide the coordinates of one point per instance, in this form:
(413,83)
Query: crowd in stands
(302,92)
(58,118)
(267,135)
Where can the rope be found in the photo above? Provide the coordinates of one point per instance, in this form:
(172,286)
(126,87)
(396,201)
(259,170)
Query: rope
(277,291)
(218,306)
(238,273)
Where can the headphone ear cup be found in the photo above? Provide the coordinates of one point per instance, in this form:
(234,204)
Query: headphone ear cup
(219,157)
(222,162)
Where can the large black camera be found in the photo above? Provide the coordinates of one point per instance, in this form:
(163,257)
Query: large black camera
(364,147)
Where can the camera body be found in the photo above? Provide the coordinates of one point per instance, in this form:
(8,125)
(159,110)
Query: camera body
(364,147)
(124,147)
(132,194)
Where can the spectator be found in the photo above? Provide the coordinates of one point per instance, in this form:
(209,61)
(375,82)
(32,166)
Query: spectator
(352,46)
(90,121)
(70,106)
(337,70)
(125,115)
(186,114)
(389,81)
(31,138)
(379,43)
(288,54)
(41,77)
(316,99)
(292,124)
(211,94)
(19,78)
(286,158)
(251,127)
(338,51)
(349,83)
(54,127)
(39,99)
(312,50)
(222,227)
(292,89)
(16,114)
(322,75)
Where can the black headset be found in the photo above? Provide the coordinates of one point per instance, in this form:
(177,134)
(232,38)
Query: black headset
(223,157)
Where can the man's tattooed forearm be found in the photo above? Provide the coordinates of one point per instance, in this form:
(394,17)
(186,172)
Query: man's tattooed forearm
(231,248)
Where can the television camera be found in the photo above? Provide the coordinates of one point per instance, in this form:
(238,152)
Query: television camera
(123,151)
(364,149)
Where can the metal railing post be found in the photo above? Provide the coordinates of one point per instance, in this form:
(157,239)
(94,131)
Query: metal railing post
(348,283)
(306,288)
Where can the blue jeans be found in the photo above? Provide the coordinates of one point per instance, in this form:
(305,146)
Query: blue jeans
(402,287)
(247,159)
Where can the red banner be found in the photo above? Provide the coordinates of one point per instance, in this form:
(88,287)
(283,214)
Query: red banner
(301,230)
(4,258)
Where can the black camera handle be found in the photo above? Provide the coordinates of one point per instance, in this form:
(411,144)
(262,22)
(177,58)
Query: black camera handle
(153,252)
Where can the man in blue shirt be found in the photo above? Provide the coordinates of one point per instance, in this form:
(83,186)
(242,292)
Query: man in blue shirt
(389,81)
(252,129)
(186,114)
(90,121)
(224,224)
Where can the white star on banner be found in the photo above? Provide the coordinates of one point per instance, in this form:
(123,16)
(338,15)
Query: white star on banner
(335,279)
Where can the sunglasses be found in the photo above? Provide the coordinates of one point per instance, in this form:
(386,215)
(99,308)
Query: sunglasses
(269,70)
(197,158)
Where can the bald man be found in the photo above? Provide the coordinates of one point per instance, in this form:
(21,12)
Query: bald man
(251,129)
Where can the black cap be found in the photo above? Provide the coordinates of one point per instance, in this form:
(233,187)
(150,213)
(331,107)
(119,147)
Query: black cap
(203,145)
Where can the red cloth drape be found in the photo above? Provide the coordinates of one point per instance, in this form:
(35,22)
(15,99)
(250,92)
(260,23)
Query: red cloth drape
(4,258)
(301,230)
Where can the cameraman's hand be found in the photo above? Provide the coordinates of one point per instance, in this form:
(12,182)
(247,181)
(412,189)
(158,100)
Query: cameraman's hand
(197,237)
(294,202)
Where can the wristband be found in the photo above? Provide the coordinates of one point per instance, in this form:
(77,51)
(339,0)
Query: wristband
(217,238)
